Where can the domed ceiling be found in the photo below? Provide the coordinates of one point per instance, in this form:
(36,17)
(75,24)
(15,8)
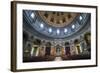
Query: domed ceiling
(57,19)
(55,25)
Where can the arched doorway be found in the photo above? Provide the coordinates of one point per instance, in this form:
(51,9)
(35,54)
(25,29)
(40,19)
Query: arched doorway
(48,49)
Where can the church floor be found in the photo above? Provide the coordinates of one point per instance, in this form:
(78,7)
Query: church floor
(57,58)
